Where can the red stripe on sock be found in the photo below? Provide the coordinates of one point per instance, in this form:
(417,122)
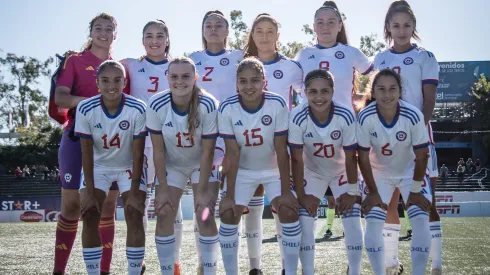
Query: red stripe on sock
(107,231)
(66,232)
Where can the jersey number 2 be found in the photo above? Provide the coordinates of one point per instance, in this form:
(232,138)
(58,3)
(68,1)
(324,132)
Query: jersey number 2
(154,81)
(114,142)
(209,70)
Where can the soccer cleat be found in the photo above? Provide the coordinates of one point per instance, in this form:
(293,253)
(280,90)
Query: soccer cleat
(283,272)
(255,271)
(436,271)
(409,233)
(328,234)
(176,269)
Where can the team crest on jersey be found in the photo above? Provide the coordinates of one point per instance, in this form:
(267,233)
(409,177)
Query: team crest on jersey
(266,120)
(68,177)
(278,74)
(339,55)
(401,136)
(335,135)
(124,125)
(224,61)
(408,61)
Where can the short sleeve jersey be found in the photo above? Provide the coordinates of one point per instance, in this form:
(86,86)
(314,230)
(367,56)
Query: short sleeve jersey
(182,150)
(254,130)
(392,145)
(323,144)
(79,73)
(416,67)
(112,135)
(340,60)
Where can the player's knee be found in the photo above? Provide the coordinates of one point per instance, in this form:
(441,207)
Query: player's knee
(133,216)
(91,217)
(228,217)
(166,214)
(108,208)
(71,208)
(287,215)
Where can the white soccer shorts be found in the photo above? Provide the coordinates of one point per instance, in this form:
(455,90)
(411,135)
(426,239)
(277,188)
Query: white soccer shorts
(104,179)
(317,185)
(178,177)
(247,182)
(386,187)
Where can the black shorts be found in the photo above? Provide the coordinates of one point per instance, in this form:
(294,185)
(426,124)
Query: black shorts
(329,192)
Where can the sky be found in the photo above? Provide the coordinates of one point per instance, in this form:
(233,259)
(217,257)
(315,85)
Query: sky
(452,30)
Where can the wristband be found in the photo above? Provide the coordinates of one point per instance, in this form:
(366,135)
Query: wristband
(416,186)
(353,189)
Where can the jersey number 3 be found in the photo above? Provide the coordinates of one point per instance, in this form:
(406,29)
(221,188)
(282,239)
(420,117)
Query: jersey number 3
(154,81)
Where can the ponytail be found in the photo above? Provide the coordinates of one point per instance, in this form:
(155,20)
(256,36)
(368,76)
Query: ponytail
(193,115)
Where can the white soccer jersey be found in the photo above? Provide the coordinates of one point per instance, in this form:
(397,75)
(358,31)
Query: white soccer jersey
(392,145)
(416,67)
(181,149)
(340,60)
(323,144)
(217,72)
(283,75)
(254,130)
(112,135)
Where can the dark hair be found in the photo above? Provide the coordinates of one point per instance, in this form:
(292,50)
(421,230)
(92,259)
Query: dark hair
(251,48)
(319,74)
(161,24)
(253,63)
(110,64)
(397,7)
(193,115)
(331,5)
(103,15)
(385,72)
(206,16)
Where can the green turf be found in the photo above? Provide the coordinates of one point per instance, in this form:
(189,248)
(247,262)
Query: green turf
(27,248)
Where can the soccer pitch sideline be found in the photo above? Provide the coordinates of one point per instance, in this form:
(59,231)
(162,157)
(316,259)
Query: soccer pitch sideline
(27,248)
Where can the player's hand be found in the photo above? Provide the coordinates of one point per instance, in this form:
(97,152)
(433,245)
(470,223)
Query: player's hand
(88,202)
(226,204)
(225,165)
(346,203)
(289,200)
(135,203)
(372,199)
(163,203)
(419,200)
(310,203)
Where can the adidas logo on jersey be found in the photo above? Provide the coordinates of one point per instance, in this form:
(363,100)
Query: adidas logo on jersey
(89,68)
(142,70)
(98,125)
(198,63)
(169,124)
(382,63)
(311,57)
(239,123)
(310,135)
(374,134)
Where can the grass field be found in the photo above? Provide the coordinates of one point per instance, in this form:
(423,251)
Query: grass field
(27,248)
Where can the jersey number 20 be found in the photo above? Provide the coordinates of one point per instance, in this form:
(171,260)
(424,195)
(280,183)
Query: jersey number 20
(324,151)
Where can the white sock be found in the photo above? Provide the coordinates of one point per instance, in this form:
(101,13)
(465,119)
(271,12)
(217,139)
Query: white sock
(436,246)
(147,204)
(279,236)
(373,239)
(291,238)
(209,249)
(229,242)
(391,232)
(253,231)
(196,238)
(307,248)
(353,239)
(91,258)
(135,256)
(178,232)
(421,239)
(165,251)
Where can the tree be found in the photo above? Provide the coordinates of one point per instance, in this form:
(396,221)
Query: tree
(479,109)
(370,46)
(240,30)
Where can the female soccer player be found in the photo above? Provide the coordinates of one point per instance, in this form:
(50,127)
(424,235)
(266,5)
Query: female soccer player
(326,130)
(419,73)
(254,126)
(112,131)
(390,134)
(216,66)
(147,76)
(76,82)
(183,127)
(282,76)
(333,53)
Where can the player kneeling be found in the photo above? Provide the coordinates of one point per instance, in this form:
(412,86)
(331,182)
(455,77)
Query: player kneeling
(323,133)
(183,127)
(254,124)
(391,134)
(112,131)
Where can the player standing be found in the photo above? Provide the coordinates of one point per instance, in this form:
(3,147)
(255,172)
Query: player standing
(254,126)
(390,133)
(112,131)
(76,82)
(183,127)
(419,73)
(322,138)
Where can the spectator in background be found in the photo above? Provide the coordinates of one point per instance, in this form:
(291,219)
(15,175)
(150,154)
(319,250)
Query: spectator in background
(33,171)
(444,173)
(461,162)
(477,165)
(460,172)
(46,172)
(18,172)
(26,172)
(56,173)
(469,166)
